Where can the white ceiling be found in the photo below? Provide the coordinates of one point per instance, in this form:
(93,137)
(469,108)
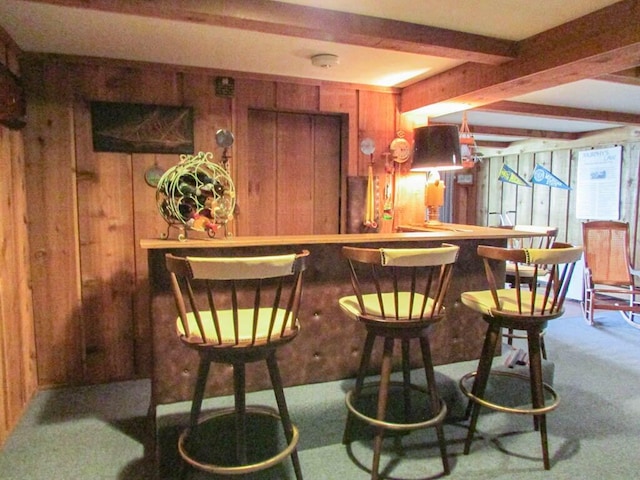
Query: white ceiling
(49,27)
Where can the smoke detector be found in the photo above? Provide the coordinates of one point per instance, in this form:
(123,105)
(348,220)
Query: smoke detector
(325,60)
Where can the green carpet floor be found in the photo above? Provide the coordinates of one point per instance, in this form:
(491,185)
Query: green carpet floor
(102,432)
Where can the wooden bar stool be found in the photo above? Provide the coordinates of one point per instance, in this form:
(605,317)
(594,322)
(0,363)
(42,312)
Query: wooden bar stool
(542,237)
(237,310)
(399,295)
(519,309)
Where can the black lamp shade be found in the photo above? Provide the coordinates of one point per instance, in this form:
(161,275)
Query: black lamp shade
(436,147)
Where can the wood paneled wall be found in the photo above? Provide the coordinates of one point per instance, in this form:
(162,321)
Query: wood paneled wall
(89,274)
(542,205)
(18,376)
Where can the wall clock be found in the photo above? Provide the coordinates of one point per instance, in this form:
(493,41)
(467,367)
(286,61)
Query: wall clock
(400,149)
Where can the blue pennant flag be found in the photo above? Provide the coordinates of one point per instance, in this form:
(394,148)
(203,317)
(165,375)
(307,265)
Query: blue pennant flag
(508,175)
(542,176)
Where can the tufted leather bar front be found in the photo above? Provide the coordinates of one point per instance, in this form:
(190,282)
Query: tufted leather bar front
(328,346)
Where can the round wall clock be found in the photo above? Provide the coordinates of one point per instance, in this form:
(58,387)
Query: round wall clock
(400,149)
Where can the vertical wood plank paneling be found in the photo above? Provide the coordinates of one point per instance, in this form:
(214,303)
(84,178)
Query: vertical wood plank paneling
(50,166)
(147,224)
(294,196)
(250,94)
(540,193)
(21,305)
(11,346)
(326,176)
(261,163)
(633,160)
(344,100)
(510,193)
(105,211)
(483,172)
(524,204)
(296,96)
(492,188)
(574,228)
(18,374)
(377,120)
(559,198)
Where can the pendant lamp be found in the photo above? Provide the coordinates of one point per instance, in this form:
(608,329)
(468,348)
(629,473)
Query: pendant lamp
(436,147)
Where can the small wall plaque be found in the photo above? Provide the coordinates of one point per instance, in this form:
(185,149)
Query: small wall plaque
(225,87)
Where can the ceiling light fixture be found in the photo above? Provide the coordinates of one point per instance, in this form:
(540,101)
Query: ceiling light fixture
(325,60)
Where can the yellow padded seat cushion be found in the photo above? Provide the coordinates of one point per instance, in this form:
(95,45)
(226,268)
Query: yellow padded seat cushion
(482,301)
(351,307)
(245,324)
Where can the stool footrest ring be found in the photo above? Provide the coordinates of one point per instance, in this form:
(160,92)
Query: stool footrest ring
(431,422)
(240,469)
(502,408)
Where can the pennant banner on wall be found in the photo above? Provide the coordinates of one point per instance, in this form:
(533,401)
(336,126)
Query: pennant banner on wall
(542,176)
(508,175)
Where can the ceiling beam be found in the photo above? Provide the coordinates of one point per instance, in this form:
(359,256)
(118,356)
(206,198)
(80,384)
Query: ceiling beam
(316,23)
(565,113)
(604,41)
(492,144)
(522,132)
(627,77)
(518,132)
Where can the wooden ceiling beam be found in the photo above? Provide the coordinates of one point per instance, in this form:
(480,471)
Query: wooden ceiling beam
(519,132)
(604,41)
(630,76)
(316,23)
(565,113)
(522,132)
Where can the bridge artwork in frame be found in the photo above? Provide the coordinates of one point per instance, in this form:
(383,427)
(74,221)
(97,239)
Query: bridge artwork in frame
(141,128)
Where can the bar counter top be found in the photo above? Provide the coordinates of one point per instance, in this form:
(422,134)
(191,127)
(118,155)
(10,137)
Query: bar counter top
(407,233)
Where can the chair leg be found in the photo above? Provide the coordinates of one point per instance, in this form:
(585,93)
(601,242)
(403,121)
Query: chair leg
(198,394)
(196,405)
(276,381)
(537,391)
(362,370)
(481,379)
(406,379)
(383,395)
(240,412)
(434,399)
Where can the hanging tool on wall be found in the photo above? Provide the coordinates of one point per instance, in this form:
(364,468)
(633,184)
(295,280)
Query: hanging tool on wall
(367,146)
(389,168)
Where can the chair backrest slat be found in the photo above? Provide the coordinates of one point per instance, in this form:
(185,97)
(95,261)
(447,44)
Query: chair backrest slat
(221,294)
(558,262)
(405,284)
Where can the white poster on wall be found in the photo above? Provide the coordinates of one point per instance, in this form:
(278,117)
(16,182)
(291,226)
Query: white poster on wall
(598,185)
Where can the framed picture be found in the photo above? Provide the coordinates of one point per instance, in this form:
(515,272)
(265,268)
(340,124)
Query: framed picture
(141,128)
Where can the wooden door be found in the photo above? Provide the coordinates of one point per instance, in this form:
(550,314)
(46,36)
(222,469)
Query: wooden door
(294,179)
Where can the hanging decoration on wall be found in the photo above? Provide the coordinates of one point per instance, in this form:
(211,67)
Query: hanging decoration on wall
(368,146)
(468,146)
(542,176)
(508,175)
(196,194)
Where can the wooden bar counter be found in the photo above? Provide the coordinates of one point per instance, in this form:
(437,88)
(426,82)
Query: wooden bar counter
(328,346)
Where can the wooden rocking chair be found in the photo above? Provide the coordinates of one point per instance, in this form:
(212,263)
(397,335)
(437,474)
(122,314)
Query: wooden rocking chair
(609,278)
